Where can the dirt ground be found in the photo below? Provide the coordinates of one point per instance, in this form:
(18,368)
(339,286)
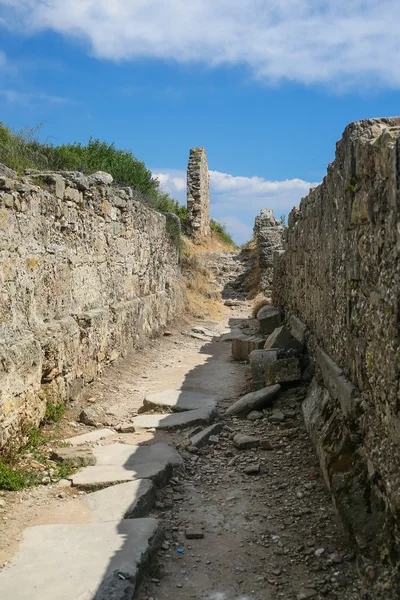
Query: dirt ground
(270,535)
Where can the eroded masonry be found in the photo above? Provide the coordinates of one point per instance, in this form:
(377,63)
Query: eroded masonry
(339,275)
(198,194)
(87,272)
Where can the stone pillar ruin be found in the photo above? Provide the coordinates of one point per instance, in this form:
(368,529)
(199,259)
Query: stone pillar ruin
(198,194)
(268,234)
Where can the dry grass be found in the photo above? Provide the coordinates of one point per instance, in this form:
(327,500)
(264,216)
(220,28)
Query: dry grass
(212,243)
(259,302)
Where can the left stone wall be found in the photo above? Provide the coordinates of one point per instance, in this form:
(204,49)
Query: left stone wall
(87,273)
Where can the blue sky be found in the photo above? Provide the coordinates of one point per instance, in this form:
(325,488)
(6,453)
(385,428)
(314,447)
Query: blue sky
(266,86)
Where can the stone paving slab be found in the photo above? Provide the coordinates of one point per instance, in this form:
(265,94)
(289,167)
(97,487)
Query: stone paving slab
(124,501)
(178,400)
(97,561)
(129,455)
(182,419)
(90,438)
(99,477)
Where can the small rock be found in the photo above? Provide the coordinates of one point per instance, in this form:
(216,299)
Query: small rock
(167,333)
(252,469)
(336,558)
(194,534)
(266,445)
(319,552)
(243,442)
(92,415)
(277,416)
(307,593)
(214,439)
(127,428)
(2,503)
(100,178)
(254,415)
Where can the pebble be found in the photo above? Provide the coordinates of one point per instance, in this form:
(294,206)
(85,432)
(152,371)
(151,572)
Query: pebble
(319,552)
(243,442)
(266,445)
(254,415)
(252,469)
(194,534)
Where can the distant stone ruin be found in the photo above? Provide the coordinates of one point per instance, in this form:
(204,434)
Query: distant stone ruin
(268,234)
(198,194)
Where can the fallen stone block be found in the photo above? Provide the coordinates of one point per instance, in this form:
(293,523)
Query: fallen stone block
(269,319)
(194,533)
(277,416)
(244,442)
(78,456)
(258,361)
(93,415)
(178,400)
(89,438)
(254,415)
(243,344)
(254,401)
(71,562)
(252,469)
(282,338)
(283,371)
(200,416)
(124,501)
(203,437)
(126,428)
(339,387)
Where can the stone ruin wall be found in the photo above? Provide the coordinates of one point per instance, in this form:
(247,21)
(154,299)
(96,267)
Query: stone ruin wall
(268,235)
(87,273)
(198,194)
(339,273)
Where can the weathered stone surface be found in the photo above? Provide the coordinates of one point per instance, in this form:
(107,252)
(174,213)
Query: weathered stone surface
(298,329)
(283,370)
(198,194)
(93,415)
(199,416)
(178,400)
(124,501)
(78,456)
(89,438)
(71,562)
(254,401)
(282,338)
(243,345)
(102,273)
(7,172)
(100,178)
(244,442)
(340,274)
(202,438)
(254,415)
(103,476)
(269,318)
(127,455)
(268,234)
(258,362)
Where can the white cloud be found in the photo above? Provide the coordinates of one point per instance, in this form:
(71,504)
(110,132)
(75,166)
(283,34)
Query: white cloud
(236,200)
(346,42)
(27,98)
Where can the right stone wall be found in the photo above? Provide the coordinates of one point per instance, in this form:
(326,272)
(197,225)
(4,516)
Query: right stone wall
(339,273)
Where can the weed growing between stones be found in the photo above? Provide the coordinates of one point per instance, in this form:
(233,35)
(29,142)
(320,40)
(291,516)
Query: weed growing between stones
(13,479)
(54,412)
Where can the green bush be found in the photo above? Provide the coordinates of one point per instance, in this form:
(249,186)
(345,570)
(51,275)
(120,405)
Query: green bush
(223,234)
(16,479)
(54,412)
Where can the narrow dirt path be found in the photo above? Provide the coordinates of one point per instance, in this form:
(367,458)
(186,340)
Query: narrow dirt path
(264,535)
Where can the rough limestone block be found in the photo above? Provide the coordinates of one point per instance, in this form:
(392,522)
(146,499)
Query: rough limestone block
(244,442)
(339,387)
(178,400)
(198,194)
(80,562)
(124,501)
(78,456)
(282,338)
(243,344)
(298,329)
(269,318)
(258,361)
(254,401)
(282,371)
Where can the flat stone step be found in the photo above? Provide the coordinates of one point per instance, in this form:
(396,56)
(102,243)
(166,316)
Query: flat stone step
(120,463)
(124,501)
(182,419)
(90,438)
(178,400)
(80,562)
